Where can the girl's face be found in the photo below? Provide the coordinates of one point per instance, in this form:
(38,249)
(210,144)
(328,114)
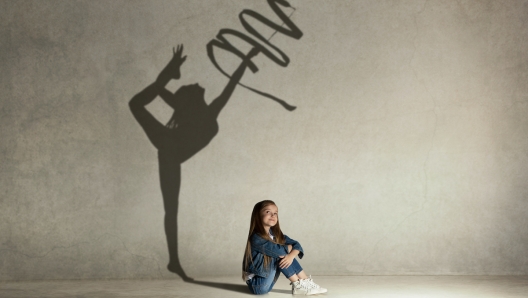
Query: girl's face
(269,216)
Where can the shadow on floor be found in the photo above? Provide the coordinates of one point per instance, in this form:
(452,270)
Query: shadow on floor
(223,286)
(231,287)
(282,291)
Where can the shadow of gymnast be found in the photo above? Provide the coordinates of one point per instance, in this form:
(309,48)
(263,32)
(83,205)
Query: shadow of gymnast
(190,129)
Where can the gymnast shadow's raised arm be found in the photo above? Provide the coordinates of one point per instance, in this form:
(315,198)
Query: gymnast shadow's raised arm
(219,103)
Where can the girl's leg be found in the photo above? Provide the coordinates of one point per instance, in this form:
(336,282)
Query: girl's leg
(300,282)
(302,275)
(261,285)
(293,271)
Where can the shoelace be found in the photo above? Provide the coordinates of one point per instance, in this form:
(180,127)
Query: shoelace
(303,284)
(312,283)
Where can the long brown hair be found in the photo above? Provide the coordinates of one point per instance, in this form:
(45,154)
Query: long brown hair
(256,226)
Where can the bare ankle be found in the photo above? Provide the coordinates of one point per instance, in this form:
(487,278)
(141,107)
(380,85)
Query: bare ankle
(293,278)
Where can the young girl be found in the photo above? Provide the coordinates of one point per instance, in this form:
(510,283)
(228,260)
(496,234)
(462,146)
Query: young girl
(269,252)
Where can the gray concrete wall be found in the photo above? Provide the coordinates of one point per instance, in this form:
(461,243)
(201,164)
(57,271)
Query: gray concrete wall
(407,154)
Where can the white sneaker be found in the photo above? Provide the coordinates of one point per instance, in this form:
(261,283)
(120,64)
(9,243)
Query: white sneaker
(315,286)
(303,287)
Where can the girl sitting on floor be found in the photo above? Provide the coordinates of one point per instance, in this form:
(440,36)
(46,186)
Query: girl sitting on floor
(269,252)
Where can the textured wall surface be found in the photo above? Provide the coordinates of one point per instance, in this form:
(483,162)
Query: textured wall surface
(407,154)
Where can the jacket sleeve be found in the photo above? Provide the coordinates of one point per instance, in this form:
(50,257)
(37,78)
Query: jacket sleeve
(267,247)
(295,245)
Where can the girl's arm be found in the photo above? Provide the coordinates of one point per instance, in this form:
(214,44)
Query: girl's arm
(267,247)
(286,261)
(296,246)
(296,250)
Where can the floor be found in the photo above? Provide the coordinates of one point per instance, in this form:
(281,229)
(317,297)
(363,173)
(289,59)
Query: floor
(232,287)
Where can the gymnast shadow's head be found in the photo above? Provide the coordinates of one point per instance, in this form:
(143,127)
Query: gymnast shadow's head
(189,105)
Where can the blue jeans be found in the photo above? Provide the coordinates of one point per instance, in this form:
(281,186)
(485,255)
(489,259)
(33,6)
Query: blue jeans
(262,285)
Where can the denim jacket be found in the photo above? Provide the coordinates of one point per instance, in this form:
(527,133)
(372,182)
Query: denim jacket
(261,247)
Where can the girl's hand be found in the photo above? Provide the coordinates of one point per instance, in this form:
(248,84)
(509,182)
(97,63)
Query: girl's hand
(286,261)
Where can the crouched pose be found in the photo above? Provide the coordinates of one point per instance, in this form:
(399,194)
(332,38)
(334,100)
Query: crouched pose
(269,252)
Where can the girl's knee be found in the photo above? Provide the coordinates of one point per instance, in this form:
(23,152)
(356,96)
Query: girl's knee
(261,289)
